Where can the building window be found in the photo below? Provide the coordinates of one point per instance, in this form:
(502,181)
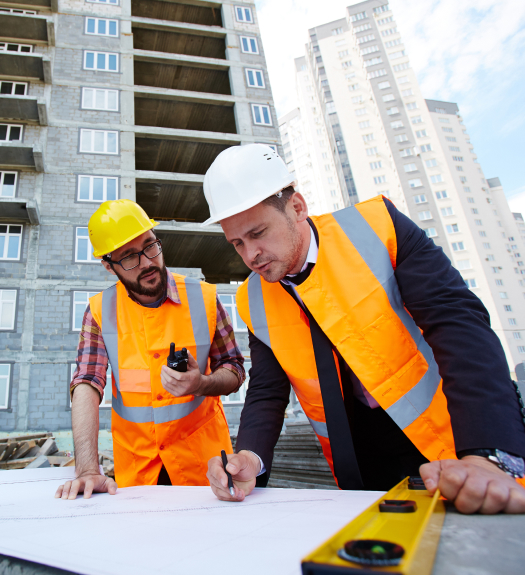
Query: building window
(255,78)
(360,112)
(470,201)
(420,199)
(230,305)
(10,242)
(406,93)
(5,384)
(464,265)
(431,232)
(396,55)
(354,18)
(371,151)
(363,125)
(454,149)
(389,32)
(361,28)
(369,50)
(375,165)
(450,139)
(396,125)
(486,245)
(483,234)
(473,210)
(243,14)
(17,11)
(368,137)
(7,309)
(426,215)
(379,179)
(80,303)
(478,222)
(376,74)
(342,54)
(8,184)
(392,43)
(410,168)
(416,120)
(431,163)
(97,188)
(447,211)
(11,132)
(99,99)
(458,158)
(452,229)
(392,111)
(507,307)
(459,168)
(249,45)
(353,87)
(373,62)
(416,183)
(101,61)
(426,148)
(380,9)
(441,195)
(83,247)
(357,100)
(450,130)
(384,86)
(521,348)
(4,47)
(101,27)
(98,142)
(113,2)
(458,246)
(13,88)
(421,134)
(516,335)
(337,31)
(384,21)
(463,180)
(471,283)
(401,138)
(400,67)
(261,115)
(436,179)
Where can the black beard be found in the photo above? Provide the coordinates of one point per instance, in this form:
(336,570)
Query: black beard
(137,288)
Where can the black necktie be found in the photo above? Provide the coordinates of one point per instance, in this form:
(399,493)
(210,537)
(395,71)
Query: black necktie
(301,277)
(346,469)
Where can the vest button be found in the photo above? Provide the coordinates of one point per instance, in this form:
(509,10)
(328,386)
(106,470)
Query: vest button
(161,447)
(159,396)
(156,355)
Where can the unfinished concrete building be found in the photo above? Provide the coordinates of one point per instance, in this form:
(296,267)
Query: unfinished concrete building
(105,99)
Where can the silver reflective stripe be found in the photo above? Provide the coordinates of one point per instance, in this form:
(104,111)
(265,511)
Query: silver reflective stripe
(257,311)
(110,335)
(146,414)
(199,321)
(319,427)
(375,254)
(177,410)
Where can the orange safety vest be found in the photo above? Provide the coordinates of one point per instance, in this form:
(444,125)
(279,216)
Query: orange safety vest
(150,426)
(353,295)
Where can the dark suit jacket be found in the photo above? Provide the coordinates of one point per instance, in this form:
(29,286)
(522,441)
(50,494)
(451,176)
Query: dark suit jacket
(481,398)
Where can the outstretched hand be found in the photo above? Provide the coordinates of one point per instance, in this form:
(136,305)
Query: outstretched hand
(474,484)
(87,484)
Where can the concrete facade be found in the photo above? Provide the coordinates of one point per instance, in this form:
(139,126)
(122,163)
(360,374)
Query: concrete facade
(418,153)
(138,96)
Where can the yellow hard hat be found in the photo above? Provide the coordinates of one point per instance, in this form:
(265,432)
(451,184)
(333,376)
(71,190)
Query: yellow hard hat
(116,223)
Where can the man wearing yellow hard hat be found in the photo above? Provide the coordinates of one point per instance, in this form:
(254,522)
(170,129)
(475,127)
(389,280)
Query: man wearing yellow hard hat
(166,423)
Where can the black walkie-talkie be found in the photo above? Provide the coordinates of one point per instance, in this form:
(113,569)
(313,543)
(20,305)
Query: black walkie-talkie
(178,360)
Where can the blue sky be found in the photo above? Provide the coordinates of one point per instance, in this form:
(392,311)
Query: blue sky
(466,51)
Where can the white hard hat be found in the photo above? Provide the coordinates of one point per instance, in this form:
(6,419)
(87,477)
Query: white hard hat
(241,177)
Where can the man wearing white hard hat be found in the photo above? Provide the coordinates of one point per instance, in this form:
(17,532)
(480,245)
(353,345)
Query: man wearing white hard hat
(390,355)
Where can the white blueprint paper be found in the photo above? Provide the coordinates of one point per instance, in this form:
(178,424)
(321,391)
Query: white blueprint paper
(168,530)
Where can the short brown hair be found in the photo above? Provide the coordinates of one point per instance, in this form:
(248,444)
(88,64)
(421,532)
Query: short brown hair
(279,203)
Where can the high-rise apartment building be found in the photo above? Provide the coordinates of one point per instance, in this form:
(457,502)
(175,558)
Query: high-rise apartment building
(417,152)
(106,99)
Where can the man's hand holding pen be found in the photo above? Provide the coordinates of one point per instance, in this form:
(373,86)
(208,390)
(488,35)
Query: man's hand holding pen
(244,468)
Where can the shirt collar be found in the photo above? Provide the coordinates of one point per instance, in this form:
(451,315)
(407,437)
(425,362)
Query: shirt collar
(311,256)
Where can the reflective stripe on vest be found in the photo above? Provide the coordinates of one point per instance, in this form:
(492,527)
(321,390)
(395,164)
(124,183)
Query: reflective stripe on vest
(374,253)
(165,413)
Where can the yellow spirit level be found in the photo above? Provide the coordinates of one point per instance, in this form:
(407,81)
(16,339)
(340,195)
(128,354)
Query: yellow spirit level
(399,534)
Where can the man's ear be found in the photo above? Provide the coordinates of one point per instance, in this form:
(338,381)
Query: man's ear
(108,267)
(299,206)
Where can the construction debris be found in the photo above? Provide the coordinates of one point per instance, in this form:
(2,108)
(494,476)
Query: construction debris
(40,450)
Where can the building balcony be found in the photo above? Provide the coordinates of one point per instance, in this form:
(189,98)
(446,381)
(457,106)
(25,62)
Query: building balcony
(23,108)
(17,156)
(27,29)
(23,66)
(181,72)
(204,13)
(38,5)
(19,210)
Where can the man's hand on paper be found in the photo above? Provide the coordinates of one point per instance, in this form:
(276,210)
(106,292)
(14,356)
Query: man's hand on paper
(182,383)
(243,466)
(87,484)
(474,484)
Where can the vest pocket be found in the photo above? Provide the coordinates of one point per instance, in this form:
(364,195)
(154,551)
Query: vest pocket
(135,380)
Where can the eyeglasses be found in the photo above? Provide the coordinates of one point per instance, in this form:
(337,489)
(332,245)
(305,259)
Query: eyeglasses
(133,260)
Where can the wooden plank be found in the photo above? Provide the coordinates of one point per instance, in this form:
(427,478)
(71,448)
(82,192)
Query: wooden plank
(3,447)
(43,435)
(40,461)
(24,448)
(107,455)
(17,463)
(11,448)
(58,459)
(70,463)
(48,448)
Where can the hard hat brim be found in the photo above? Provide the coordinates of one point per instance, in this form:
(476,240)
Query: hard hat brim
(250,203)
